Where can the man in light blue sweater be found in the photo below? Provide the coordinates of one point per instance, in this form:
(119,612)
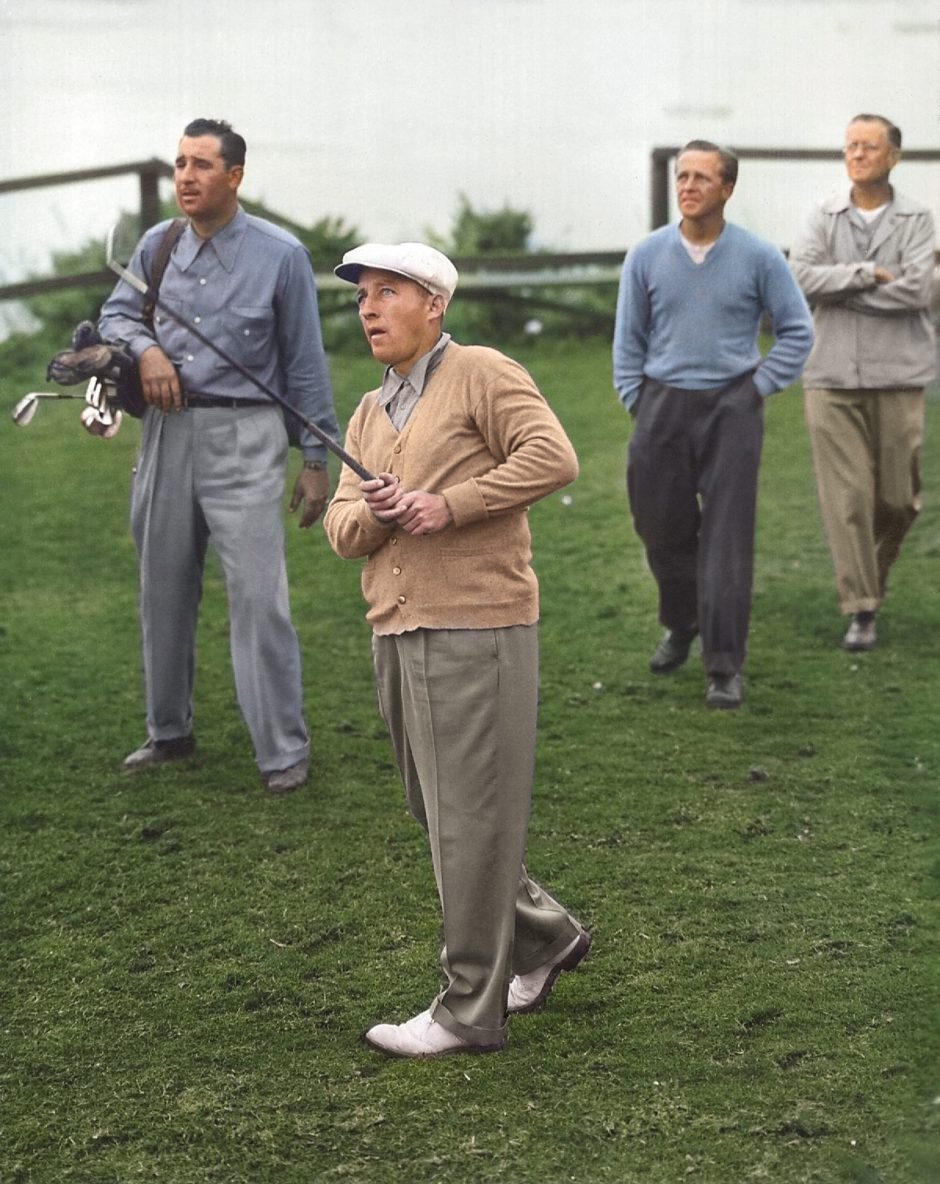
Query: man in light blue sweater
(687,366)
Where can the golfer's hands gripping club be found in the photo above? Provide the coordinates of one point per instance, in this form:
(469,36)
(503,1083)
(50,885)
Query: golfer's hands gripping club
(159,381)
(414,510)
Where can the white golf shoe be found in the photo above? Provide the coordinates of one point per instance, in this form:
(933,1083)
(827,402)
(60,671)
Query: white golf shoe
(421,1036)
(862,633)
(528,992)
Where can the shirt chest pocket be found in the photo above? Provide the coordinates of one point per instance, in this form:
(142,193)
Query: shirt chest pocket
(250,330)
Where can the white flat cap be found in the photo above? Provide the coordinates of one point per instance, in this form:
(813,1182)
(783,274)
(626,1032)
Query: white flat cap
(415,261)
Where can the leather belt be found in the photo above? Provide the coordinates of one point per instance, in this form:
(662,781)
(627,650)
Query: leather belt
(219,401)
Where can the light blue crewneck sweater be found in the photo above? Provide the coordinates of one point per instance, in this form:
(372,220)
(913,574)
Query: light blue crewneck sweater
(695,326)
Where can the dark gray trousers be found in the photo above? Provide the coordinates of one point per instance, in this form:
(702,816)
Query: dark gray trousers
(692,470)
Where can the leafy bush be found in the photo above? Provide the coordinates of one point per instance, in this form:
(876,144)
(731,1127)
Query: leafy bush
(508,316)
(327,241)
(496,232)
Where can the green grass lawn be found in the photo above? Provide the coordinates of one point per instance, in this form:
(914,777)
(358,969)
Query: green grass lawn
(188,964)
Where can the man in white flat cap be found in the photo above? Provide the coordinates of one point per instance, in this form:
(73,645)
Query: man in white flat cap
(463,443)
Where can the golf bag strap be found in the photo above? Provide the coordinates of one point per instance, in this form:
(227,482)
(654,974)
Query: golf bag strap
(161,259)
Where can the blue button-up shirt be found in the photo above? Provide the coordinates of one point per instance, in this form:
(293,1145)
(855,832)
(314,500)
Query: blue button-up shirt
(250,289)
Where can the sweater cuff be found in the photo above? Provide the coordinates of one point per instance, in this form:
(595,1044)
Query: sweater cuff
(465,502)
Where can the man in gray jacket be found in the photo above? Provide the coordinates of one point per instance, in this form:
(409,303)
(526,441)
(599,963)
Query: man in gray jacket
(865,263)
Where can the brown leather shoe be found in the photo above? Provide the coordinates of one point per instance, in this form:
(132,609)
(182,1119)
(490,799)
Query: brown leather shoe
(159,752)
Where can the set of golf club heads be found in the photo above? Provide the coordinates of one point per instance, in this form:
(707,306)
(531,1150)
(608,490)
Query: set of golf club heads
(95,395)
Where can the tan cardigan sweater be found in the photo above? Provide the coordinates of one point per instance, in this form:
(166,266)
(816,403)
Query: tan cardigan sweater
(484,437)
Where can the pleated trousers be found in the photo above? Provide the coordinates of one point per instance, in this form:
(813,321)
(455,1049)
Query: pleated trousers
(692,469)
(866,448)
(217,473)
(461,706)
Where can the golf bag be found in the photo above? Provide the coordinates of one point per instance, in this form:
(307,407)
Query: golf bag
(89,357)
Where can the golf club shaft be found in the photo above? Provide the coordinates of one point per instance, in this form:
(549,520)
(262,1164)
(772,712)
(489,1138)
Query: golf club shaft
(145,290)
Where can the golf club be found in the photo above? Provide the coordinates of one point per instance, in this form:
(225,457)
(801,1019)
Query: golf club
(144,288)
(26,408)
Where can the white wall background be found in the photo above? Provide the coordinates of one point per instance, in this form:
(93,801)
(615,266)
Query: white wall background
(383,111)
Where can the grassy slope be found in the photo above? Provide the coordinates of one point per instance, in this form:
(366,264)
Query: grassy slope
(188,964)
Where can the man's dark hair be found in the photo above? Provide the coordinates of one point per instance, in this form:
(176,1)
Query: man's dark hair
(892,131)
(728,161)
(231,144)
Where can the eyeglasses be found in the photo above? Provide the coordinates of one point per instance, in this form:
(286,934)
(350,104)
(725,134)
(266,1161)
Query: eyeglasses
(861,146)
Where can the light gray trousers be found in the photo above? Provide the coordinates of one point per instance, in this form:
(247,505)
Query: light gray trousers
(461,705)
(217,473)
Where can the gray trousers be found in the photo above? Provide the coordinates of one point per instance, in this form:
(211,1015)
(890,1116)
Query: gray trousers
(217,473)
(461,708)
(692,472)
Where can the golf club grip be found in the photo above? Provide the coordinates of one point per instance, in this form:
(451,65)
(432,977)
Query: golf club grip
(334,446)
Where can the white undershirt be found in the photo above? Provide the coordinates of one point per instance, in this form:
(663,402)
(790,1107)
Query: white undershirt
(697,251)
(870,215)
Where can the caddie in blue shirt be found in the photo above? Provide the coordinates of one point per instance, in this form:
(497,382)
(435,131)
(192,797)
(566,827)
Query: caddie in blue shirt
(688,367)
(213,452)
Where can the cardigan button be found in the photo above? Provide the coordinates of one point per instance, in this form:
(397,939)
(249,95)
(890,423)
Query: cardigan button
(396,571)
(402,600)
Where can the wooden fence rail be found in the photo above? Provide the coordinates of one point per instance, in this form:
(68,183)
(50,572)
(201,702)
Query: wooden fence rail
(477,276)
(149,174)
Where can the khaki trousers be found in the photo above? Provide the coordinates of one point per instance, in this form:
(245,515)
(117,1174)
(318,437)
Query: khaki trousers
(866,448)
(460,705)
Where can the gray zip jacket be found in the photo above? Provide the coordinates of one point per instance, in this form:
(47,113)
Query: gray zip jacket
(869,336)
